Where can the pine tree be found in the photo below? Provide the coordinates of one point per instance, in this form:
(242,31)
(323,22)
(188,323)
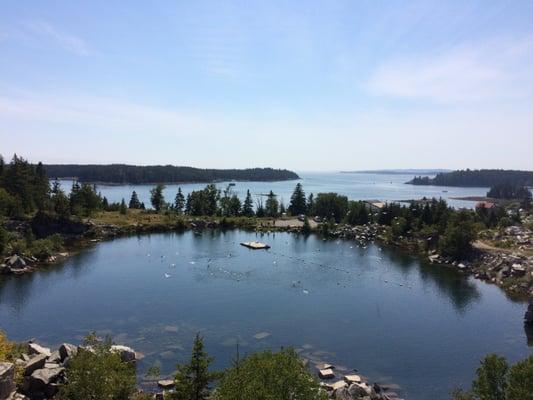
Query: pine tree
(310,203)
(179,202)
(271,205)
(123,209)
(134,201)
(193,378)
(157,198)
(248,206)
(298,203)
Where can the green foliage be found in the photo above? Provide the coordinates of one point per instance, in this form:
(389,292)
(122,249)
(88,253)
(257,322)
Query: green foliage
(4,237)
(306,228)
(271,205)
(120,173)
(157,198)
(331,205)
(298,204)
(203,202)
(311,204)
(179,202)
(230,204)
(490,382)
(457,239)
(8,204)
(193,378)
(98,373)
(27,184)
(357,213)
(509,191)
(123,209)
(520,380)
(42,249)
(248,205)
(84,200)
(496,381)
(268,376)
(134,201)
(477,178)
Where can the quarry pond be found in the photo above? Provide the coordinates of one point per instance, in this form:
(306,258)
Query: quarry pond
(387,314)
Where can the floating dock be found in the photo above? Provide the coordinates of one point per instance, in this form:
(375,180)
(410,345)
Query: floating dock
(255,245)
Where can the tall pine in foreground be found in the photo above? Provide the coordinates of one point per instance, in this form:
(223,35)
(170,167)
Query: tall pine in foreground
(248,205)
(298,204)
(193,378)
(179,202)
(134,201)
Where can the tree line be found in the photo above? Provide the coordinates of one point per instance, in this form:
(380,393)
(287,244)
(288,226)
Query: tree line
(134,174)
(509,191)
(477,178)
(25,189)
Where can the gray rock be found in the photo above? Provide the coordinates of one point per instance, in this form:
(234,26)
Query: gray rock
(67,350)
(126,353)
(35,363)
(55,357)
(43,381)
(166,383)
(7,376)
(34,348)
(16,262)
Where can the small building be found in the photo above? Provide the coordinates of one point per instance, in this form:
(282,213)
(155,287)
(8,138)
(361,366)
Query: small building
(485,205)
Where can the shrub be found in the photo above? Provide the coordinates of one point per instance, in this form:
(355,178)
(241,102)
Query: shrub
(269,375)
(98,373)
(496,381)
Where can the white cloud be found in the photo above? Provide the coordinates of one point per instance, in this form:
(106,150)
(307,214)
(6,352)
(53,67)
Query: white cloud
(69,42)
(490,71)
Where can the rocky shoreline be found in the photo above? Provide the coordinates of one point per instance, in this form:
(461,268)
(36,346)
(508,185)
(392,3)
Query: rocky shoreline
(39,372)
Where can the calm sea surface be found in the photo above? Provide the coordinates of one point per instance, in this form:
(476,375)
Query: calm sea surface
(389,315)
(357,186)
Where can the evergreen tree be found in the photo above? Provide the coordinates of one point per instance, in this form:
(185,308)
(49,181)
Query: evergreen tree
(248,206)
(123,209)
(259,209)
(282,209)
(179,202)
(298,204)
(306,228)
(193,378)
(157,198)
(134,201)
(271,205)
(41,186)
(310,203)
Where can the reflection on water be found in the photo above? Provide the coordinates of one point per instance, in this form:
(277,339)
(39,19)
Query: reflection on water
(379,310)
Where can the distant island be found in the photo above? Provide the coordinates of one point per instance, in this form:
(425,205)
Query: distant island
(132,174)
(398,171)
(476,178)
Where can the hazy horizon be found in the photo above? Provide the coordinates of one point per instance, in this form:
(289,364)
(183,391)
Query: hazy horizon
(314,86)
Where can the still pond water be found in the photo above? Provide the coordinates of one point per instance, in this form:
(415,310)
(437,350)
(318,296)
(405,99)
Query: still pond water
(389,315)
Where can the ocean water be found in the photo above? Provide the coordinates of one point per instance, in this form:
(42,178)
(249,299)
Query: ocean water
(357,186)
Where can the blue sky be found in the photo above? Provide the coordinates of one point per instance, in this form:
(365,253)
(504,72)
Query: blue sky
(305,85)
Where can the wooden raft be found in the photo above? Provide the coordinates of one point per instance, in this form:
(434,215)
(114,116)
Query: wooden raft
(255,245)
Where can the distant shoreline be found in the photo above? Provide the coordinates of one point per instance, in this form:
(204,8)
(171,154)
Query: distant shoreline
(398,171)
